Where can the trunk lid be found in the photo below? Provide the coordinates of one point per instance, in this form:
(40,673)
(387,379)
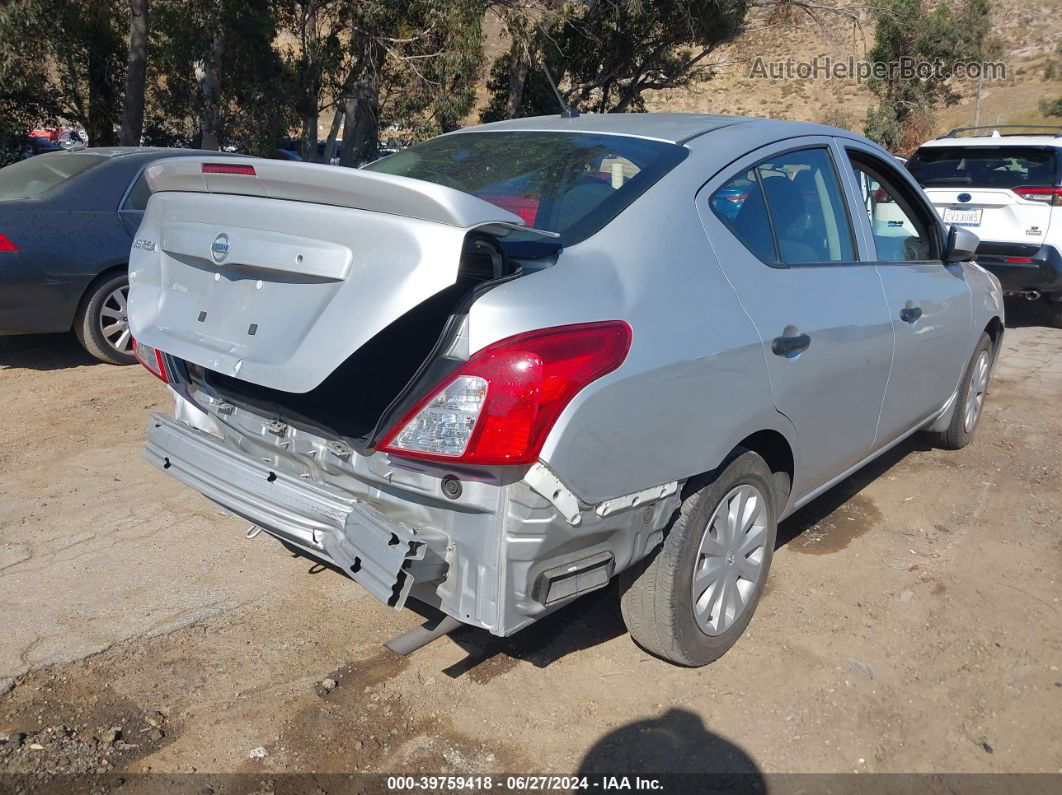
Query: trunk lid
(276,276)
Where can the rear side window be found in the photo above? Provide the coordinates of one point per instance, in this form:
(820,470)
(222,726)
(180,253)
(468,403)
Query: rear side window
(570,183)
(40,174)
(985,166)
(138,195)
(789,210)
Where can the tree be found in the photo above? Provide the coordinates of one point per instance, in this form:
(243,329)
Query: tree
(939,37)
(72,52)
(218,76)
(136,75)
(609,53)
(1051,107)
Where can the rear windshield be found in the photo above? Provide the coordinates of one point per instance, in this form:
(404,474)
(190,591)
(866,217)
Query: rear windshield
(38,174)
(570,183)
(985,166)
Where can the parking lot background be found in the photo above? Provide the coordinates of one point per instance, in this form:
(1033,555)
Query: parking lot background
(911,622)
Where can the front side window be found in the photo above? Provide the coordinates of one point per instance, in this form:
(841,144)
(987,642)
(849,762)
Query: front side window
(570,183)
(789,210)
(40,174)
(901,233)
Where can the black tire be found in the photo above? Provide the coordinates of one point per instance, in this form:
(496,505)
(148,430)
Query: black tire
(656,594)
(958,434)
(87,322)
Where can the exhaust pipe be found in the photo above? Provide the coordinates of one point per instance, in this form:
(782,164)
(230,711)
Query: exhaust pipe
(1031,295)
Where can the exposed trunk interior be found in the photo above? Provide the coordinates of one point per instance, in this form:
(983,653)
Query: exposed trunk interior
(351,400)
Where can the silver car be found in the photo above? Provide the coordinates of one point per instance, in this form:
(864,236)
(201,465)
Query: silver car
(496,370)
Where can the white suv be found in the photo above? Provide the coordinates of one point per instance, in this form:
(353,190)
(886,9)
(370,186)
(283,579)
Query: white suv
(1006,187)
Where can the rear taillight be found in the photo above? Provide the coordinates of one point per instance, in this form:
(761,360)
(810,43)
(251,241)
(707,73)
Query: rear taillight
(228,168)
(152,359)
(881,196)
(7,245)
(500,405)
(1021,260)
(1047,195)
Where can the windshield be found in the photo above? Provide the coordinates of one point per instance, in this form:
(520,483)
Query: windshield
(570,183)
(984,166)
(38,174)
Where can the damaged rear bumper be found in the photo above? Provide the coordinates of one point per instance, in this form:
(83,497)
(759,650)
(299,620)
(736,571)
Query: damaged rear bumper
(499,556)
(374,551)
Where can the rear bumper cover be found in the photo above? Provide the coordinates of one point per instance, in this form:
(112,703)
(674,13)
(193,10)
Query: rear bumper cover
(498,557)
(375,552)
(1043,271)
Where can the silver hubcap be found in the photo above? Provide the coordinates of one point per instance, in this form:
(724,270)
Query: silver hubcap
(114,324)
(975,395)
(729,563)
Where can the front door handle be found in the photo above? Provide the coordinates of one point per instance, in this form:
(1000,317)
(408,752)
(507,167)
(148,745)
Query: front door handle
(790,346)
(909,314)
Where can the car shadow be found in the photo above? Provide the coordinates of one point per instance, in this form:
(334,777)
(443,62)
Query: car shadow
(1022,313)
(821,507)
(43,352)
(595,618)
(674,744)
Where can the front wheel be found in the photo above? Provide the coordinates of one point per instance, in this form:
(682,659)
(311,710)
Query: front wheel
(691,599)
(102,322)
(971,400)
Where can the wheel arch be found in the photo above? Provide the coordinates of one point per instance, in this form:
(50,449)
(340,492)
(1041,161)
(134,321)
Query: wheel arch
(776,450)
(103,275)
(994,330)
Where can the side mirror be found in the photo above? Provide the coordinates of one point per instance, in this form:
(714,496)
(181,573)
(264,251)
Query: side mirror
(961,246)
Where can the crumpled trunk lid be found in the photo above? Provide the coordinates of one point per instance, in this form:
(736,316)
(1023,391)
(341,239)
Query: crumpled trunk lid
(276,278)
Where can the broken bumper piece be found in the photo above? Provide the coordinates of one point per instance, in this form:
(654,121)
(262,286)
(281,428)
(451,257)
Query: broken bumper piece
(328,524)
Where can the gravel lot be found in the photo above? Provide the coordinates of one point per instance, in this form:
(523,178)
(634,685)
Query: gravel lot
(912,621)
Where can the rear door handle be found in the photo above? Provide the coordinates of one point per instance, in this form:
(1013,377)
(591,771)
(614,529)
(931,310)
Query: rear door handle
(909,314)
(790,346)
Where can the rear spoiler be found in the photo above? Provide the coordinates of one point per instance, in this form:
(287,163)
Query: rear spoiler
(332,185)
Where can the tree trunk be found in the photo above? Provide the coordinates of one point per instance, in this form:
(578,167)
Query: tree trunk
(311,83)
(101,98)
(361,124)
(136,77)
(518,67)
(333,132)
(211,85)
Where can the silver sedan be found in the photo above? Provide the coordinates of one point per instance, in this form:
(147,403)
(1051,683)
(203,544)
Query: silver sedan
(500,369)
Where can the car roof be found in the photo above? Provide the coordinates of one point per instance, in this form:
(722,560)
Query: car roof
(1045,139)
(676,128)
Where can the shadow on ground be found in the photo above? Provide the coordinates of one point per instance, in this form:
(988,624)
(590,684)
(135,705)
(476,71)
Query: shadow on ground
(43,352)
(1022,313)
(675,743)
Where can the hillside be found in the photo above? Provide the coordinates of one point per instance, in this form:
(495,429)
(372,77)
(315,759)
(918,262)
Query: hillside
(1030,31)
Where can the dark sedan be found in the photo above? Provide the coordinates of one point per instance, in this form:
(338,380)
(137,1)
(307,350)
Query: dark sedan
(67,221)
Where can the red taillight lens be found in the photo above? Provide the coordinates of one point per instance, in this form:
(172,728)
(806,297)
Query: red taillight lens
(7,245)
(1047,195)
(881,196)
(228,168)
(152,359)
(499,407)
(1021,260)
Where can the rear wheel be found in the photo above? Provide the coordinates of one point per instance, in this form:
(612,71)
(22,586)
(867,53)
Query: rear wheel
(102,323)
(972,393)
(692,599)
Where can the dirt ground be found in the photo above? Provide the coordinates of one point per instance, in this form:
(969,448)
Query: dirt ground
(912,621)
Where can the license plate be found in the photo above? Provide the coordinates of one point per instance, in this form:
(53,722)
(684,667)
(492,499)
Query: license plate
(962,217)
